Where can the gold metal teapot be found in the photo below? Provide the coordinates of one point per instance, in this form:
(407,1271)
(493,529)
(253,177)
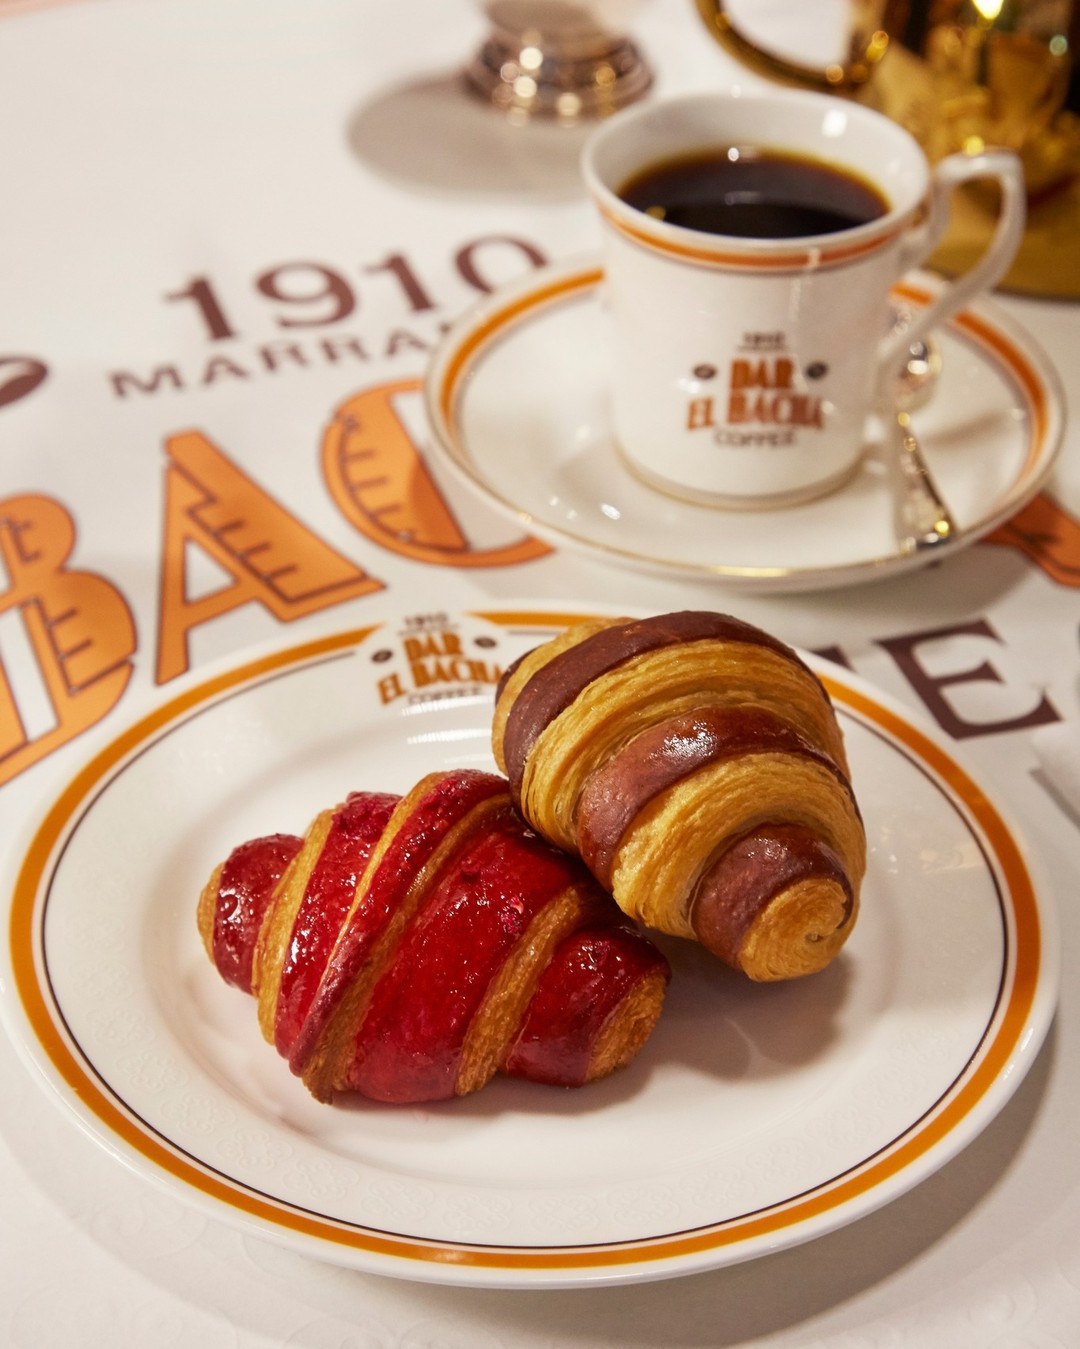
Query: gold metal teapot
(958,74)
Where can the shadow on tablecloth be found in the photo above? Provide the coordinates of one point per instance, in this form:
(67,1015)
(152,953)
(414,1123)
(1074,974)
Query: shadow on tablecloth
(430,133)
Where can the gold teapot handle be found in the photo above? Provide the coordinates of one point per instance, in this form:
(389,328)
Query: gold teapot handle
(838,78)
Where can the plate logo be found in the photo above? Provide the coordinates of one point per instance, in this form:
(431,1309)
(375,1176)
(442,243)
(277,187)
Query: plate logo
(432,657)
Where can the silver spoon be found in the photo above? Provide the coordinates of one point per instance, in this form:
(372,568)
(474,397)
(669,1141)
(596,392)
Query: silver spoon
(924,521)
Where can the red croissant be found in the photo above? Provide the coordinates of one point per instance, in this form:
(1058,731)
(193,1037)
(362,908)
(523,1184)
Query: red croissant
(408,948)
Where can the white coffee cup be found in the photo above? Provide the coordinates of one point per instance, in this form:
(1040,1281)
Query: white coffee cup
(745,369)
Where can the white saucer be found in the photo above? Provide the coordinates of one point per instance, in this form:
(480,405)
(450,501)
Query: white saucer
(517,398)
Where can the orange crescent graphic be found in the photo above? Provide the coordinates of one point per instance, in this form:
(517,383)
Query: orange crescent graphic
(381,484)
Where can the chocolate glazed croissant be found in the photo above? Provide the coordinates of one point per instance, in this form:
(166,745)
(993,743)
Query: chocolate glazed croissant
(407,948)
(696,765)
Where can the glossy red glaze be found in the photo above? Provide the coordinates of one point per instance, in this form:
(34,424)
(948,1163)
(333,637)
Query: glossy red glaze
(247,883)
(409,1047)
(591,972)
(449,800)
(356,828)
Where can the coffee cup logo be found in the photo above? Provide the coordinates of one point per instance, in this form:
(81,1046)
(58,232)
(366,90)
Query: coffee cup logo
(763,392)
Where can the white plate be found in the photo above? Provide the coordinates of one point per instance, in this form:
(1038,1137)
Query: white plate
(517,398)
(756,1117)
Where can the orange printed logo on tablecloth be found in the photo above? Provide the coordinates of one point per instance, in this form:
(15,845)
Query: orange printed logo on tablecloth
(79,629)
(271,558)
(1048,535)
(381,485)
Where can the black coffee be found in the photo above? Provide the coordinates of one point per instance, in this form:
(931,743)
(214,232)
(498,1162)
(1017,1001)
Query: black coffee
(754,194)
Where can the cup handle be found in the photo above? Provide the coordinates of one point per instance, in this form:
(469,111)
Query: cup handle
(946,176)
(837,78)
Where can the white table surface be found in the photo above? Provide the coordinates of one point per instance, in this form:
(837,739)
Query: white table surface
(149,142)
